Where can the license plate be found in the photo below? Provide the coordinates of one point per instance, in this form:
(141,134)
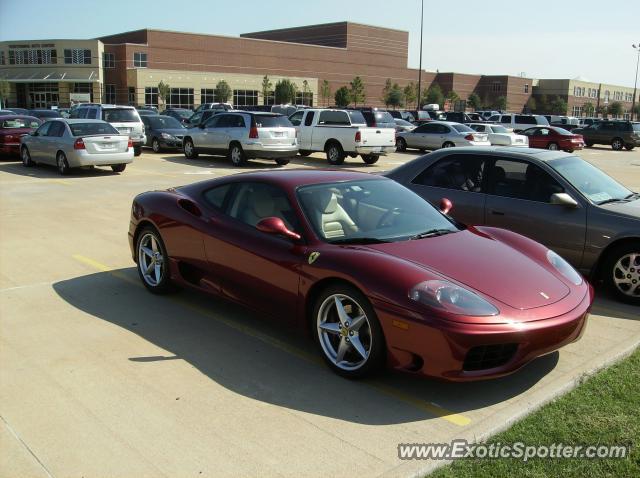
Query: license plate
(278,134)
(108,145)
(124,130)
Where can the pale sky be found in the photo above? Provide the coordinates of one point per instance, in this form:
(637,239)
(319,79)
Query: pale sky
(542,38)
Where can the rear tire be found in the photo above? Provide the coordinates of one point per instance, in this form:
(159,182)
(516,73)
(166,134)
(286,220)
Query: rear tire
(370,158)
(155,145)
(448,144)
(629,147)
(552,147)
(617,266)
(589,144)
(236,155)
(190,151)
(118,168)
(401,144)
(137,150)
(617,144)
(335,155)
(27,162)
(62,163)
(303,152)
(282,161)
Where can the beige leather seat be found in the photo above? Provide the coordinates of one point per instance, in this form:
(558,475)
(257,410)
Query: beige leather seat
(332,218)
(261,205)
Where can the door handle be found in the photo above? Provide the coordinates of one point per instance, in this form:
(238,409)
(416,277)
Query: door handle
(497,213)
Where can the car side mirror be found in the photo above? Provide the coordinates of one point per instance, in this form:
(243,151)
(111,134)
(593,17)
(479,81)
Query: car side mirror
(275,225)
(563,199)
(35,133)
(445,206)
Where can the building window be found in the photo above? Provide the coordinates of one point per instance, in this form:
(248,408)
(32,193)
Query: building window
(207,95)
(577,111)
(32,57)
(139,60)
(526,88)
(110,94)
(304,98)
(270,99)
(496,87)
(245,97)
(1,58)
(607,95)
(77,56)
(151,96)
(82,88)
(132,95)
(108,60)
(42,95)
(181,98)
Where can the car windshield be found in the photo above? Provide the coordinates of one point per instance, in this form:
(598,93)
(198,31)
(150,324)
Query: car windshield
(272,121)
(370,210)
(164,122)
(460,128)
(120,115)
(21,123)
(183,113)
(589,180)
(499,129)
(88,129)
(635,126)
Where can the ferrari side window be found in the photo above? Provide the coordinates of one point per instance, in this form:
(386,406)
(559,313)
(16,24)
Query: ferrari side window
(215,197)
(254,202)
(460,172)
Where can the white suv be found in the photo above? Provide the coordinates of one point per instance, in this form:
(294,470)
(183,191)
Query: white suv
(519,122)
(123,118)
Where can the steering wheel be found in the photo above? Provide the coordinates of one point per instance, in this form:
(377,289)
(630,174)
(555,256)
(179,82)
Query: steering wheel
(386,216)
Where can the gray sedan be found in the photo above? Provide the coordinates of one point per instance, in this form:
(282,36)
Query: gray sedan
(74,143)
(554,198)
(440,134)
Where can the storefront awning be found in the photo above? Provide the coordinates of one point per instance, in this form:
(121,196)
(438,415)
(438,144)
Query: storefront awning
(29,75)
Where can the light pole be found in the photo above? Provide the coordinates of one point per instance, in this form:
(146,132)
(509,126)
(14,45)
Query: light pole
(635,85)
(420,70)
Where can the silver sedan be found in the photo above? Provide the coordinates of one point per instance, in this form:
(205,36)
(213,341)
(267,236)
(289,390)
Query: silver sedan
(440,134)
(75,143)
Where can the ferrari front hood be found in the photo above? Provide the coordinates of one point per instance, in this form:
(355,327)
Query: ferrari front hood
(485,265)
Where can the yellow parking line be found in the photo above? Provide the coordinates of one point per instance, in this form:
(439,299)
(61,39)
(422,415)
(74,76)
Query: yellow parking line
(431,408)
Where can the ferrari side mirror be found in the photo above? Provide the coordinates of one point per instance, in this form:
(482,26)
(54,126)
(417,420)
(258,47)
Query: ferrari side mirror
(275,225)
(445,206)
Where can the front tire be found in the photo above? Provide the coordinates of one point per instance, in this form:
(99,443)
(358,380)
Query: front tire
(155,145)
(27,162)
(552,147)
(401,144)
(118,168)
(348,333)
(621,272)
(370,158)
(282,161)
(153,261)
(617,144)
(62,164)
(189,149)
(589,144)
(448,144)
(137,150)
(236,155)
(335,155)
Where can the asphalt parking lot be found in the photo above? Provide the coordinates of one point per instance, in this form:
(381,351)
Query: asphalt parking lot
(100,378)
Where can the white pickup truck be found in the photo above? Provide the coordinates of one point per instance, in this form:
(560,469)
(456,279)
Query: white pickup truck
(341,133)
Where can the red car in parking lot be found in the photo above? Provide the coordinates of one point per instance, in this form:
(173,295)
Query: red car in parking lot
(12,128)
(553,138)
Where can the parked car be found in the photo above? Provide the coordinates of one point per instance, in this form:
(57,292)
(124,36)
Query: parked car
(378,118)
(243,136)
(375,273)
(214,106)
(402,125)
(440,134)
(553,138)
(341,133)
(12,128)
(422,115)
(487,114)
(554,198)
(499,135)
(477,117)
(588,121)
(74,143)
(456,117)
(181,114)
(124,118)
(7,113)
(519,122)
(146,112)
(395,114)
(286,110)
(20,111)
(619,134)
(163,132)
(45,114)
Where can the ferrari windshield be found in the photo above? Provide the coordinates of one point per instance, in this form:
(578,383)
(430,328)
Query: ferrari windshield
(589,180)
(373,210)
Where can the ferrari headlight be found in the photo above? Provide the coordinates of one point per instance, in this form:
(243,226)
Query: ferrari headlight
(449,297)
(167,136)
(564,268)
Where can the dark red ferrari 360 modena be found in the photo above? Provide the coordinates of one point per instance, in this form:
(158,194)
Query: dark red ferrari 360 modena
(372,270)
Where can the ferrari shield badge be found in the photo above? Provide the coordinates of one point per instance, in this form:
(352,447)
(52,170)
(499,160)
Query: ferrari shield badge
(313,256)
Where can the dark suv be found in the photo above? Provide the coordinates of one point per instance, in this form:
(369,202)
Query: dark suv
(619,134)
(457,117)
(378,118)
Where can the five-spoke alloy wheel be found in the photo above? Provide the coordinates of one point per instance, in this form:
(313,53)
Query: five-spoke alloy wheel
(153,266)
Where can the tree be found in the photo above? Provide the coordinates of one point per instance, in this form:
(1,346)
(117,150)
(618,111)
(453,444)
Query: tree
(636,110)
(588,109)
(453,96)
(395,97)
(222,91)
(305,92)
(285,92)
(543,104)
(531,104)
(356,90)
(501,103)
(385,91)
(342,97)
(5,89)
(266,88)
(325,91)
(434,95)
(558,106)
(474,101)
(409,94)
(615,109)
(164,93)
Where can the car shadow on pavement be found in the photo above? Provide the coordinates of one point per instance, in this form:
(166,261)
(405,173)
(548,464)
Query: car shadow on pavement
(51,172)
(607,305)
(266,361)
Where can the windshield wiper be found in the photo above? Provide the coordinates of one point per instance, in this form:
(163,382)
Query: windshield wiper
(632,195)
(359,240)
(607,201)
(431,233)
